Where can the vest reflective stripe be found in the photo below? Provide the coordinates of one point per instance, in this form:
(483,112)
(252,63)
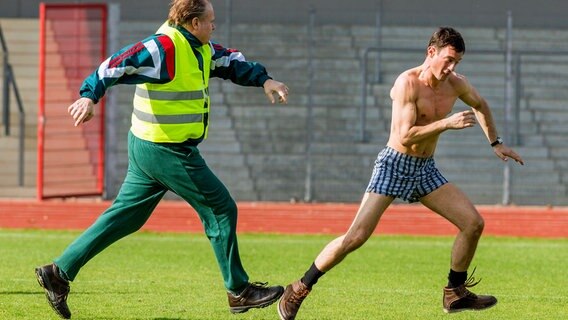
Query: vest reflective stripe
(176,111)
(169,95)
(168,118)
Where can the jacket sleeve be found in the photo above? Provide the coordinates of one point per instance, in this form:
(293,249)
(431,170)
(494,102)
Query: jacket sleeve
(230,64)
(148,61)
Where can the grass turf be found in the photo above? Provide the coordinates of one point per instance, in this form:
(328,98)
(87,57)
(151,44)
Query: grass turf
(175,276)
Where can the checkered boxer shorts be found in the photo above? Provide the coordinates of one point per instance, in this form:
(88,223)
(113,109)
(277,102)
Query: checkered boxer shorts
(403,176)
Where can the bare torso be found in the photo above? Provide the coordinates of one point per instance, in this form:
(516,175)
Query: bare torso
(420,104)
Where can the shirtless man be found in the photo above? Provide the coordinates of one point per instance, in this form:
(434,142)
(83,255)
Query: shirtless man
(422,99)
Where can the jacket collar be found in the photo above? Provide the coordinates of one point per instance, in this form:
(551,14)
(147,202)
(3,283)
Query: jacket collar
(193,41)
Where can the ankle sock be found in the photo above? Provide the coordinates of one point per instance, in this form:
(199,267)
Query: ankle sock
(311,276)
(456,279)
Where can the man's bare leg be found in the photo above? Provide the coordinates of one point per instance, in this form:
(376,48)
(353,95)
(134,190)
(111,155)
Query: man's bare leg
(370,211)
(452,204)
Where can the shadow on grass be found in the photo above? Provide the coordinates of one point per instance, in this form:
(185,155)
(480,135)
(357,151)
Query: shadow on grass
(21,292)
(138,318)
(15,292)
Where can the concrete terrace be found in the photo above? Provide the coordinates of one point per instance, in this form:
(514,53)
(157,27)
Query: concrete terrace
(259,150)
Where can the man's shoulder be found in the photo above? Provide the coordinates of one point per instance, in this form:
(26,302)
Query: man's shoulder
(411,73)
(406,85)
(407,79)
(458,77)
(458,81)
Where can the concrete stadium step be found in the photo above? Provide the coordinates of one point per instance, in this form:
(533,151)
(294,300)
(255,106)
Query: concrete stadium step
(27,192)
(12,142)
(554,140)
(11,156)
(494,175)
(11,180)
(258,149)
(280,190)
(551,92)
(413,37)
(543,105)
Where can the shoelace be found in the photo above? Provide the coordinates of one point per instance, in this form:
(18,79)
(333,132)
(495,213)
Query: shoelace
(259,284)
(62,286)
(470,282)
(62,293)
(298,297)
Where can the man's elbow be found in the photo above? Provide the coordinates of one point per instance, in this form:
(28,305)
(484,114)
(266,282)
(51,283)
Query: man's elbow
(406,142)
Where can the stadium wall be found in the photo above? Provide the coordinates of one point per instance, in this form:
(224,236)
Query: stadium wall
(361,12)
(465,13)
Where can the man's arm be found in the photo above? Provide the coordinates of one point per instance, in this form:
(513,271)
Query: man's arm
(479,105)
(148,61)
(404,96)
(230,64)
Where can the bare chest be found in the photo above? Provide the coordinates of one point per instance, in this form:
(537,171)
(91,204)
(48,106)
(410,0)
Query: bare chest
(433,105)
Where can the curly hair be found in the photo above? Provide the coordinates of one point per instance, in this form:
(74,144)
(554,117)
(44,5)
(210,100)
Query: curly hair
(447,36)
(183,11)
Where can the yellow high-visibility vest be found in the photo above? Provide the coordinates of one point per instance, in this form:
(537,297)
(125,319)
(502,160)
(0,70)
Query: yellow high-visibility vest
(178,110)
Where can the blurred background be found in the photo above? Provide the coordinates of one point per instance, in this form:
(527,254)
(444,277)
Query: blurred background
(339,60)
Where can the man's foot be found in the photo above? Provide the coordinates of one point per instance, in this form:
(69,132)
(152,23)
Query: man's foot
(256,295)
(291,300)
(461,299)
(56,289)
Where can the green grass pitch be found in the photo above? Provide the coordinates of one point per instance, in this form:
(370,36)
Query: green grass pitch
(174,276)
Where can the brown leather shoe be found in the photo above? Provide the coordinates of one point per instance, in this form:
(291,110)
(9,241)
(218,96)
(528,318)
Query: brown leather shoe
(291,300)
(461,299)
(256,295)
(56,289)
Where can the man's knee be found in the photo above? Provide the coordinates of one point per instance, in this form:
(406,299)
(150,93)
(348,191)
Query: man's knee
(476,226)
(225,206)
(231,208)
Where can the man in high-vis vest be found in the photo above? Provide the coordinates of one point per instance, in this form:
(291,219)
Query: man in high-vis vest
(170,118)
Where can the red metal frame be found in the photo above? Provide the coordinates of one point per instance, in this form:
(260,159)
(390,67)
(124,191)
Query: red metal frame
(41,95)
(41,102)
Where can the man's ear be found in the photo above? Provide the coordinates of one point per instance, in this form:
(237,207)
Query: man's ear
(431,51)
(195,23)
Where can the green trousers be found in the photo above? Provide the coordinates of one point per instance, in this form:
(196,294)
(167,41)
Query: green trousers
(154,168)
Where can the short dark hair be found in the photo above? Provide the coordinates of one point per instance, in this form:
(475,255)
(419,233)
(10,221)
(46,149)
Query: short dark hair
(447,36)
(183,11)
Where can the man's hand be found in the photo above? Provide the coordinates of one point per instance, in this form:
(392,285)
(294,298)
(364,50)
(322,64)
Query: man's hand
(461,120)
(504,152)
(82,110)
(272,86)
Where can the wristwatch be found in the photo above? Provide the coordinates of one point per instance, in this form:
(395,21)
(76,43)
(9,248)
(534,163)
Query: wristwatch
(497,141)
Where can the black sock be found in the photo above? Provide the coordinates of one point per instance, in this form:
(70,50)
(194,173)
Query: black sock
(312,275)
(456,279)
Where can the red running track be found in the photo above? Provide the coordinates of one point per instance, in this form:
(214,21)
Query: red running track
(286,218)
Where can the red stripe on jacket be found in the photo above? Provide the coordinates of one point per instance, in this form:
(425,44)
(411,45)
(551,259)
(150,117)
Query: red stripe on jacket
(169,53)
(116,61)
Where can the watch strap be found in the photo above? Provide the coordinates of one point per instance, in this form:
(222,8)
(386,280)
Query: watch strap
(497,141)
